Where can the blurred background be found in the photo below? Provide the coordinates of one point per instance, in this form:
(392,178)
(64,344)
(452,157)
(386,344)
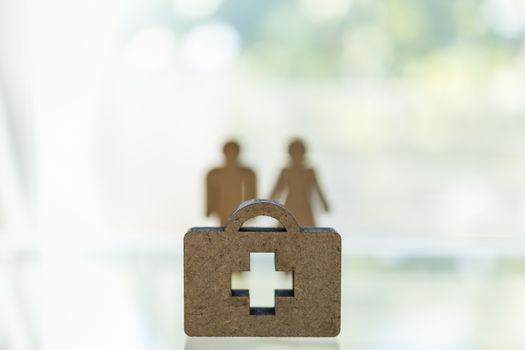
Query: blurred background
(112,112)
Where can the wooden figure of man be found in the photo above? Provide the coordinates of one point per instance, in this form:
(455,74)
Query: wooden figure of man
(229,185)
(299,184)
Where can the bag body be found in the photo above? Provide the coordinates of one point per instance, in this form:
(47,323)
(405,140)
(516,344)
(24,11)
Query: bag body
(313,255)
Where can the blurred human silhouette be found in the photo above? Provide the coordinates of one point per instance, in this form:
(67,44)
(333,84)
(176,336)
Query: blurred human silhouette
(298,184)
(229,185)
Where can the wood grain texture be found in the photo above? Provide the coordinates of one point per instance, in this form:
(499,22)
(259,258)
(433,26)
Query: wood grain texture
(212,254)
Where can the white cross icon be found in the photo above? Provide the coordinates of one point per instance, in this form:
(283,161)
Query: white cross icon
(262,283)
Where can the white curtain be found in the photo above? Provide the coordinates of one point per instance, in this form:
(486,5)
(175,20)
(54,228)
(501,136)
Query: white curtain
(16,150)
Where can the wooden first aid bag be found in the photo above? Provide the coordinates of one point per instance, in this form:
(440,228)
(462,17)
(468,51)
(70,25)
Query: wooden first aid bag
(212,254)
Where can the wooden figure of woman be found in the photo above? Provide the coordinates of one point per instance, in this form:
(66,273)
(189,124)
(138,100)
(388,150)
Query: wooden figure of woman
(298,185)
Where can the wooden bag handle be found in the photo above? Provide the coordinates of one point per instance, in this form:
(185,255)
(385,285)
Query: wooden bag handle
(261,207)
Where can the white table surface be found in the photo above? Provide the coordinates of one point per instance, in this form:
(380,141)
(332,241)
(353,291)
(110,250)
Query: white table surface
(130,297)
